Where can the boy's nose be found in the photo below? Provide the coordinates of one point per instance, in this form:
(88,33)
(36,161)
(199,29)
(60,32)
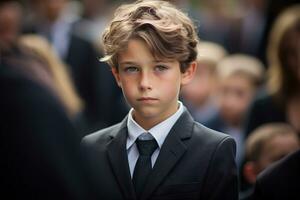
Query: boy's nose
(145,82)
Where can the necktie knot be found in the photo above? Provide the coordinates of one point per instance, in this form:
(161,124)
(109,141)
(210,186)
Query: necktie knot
(146,147)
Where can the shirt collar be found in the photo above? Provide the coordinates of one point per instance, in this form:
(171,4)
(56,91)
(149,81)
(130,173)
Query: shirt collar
(159,131)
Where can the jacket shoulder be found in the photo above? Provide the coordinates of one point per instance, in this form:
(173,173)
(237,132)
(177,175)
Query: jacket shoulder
(202,132)
(211,142)
(101,136)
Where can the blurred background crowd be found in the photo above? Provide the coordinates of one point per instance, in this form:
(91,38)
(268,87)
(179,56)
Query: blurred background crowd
(55,90)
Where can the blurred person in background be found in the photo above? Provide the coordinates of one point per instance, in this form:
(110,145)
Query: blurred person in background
(272,10)
(239,77)
(63,86)
(92,79)
(248,26)
(267,144)
(198,95)
(281,102)
(40,158)
(49,19)
(10,15)
(93,20)
(215,21)
(280,180)
(10,51)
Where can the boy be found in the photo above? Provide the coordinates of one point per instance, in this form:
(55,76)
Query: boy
(158,151)
(265,145)
(239,77)
(198,95)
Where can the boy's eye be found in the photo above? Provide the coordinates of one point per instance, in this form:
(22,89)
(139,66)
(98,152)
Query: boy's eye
(160,68)
(131,69)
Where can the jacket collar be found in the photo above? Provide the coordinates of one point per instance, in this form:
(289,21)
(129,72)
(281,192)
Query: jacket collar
(172,150)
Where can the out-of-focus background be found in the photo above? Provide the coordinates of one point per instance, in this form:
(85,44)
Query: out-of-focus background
(54,89)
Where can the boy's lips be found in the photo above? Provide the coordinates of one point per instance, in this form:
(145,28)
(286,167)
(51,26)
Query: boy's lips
(147,99)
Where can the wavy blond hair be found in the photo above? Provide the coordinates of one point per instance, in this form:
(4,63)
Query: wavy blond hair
(62,82)
(168,32)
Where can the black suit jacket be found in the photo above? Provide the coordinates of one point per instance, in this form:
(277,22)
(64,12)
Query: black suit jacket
(39,150)
(280,181)
(194,163)
(263,110)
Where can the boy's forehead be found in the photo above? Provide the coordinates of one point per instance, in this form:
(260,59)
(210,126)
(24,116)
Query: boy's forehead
(128,59)
(137,50)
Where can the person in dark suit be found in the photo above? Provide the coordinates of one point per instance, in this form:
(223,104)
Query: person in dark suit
(39,150)
(40,156)
(158,151)
(280,181)
(92,79)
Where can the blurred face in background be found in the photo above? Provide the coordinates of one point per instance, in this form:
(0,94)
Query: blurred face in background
(50,9)
(258,4)
(10,16)
(202,86)
(94,8)
(273,150)
(277,148)
(235,93)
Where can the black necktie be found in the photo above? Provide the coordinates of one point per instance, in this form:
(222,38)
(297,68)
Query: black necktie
(143,166)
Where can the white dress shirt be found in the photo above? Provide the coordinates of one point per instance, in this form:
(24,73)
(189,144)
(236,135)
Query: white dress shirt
(159,132)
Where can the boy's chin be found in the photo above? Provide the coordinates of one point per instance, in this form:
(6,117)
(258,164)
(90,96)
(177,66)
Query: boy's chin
(145,113)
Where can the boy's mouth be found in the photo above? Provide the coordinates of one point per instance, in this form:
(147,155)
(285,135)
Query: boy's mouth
(147,99)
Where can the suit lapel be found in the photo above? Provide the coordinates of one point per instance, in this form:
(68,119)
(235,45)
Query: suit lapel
(119,161)
(171,152)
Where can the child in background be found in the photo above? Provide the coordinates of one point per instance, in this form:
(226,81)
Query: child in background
(198,95)
(238,79)
(265,145)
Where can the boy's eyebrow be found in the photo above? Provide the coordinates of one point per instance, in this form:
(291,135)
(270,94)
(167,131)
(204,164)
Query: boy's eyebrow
(135,63)
(128,63)
(160,61)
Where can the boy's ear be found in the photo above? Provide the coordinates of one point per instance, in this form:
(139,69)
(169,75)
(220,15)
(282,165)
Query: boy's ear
(189,73)
(116,75)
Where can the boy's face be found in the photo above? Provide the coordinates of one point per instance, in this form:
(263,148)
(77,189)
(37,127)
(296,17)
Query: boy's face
(198,91)
(273,150)
(235,95)
(149,85)
(277,148)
